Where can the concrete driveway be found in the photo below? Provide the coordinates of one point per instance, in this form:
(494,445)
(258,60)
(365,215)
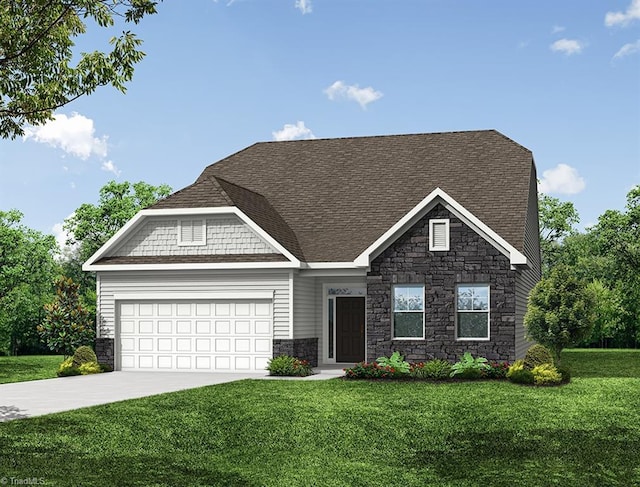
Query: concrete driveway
(39,397)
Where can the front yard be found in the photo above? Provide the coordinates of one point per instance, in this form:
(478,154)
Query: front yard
(270,432)
(28,367)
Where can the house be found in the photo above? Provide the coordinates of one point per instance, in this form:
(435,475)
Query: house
(332,250)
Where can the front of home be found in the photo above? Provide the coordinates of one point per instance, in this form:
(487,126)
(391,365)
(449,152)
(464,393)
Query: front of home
(332,250)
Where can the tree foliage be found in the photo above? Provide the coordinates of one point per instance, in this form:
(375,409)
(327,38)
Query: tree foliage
(557,221)
(561,310)
(66,324)
(27,272)
(37,74)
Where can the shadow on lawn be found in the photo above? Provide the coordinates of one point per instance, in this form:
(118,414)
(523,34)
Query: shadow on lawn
(604,457)
(7,413)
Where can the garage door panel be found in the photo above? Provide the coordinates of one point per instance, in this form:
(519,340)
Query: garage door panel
(201,336)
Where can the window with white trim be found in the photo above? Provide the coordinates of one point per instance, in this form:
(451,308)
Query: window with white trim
(408,311)
(439,234)
(192,232)
(472,312)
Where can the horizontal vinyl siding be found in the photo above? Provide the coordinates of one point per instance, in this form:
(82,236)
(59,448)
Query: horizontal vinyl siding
(527,278)
(304,308)
(111,283)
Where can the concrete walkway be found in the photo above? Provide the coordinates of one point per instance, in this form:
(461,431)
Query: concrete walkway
(39,397)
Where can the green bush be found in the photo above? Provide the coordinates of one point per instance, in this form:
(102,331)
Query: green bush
(537,355)
(433,369)
(468,367)
(565,373)
(83,355)
(518,374)
(395,362)
(371,370)
(496,370)
(67,369)
(546,375)
(284,365)
(90,368)
(106,368)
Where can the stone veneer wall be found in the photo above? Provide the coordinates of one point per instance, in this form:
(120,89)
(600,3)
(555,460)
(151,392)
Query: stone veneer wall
(470,259)
(302,348)
(105,351)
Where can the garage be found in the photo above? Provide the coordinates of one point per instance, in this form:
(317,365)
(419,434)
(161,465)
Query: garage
(214,336)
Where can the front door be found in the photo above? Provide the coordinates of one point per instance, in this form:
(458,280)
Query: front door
(349,329)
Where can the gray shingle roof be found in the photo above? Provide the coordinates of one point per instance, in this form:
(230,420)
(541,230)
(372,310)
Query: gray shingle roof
(328,199)
(191,259)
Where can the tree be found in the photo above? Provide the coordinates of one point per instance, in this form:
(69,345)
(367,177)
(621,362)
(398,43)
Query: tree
(560,311)
(66,324)
(557,220)
(27,272)
(92,225)
(36,41)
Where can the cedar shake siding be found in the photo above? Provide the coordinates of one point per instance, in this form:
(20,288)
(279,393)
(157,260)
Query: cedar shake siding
(470,260)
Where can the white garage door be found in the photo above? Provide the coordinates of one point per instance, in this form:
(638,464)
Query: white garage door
(199,335)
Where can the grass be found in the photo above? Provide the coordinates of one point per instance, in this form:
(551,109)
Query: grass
(338,433)
(28,367)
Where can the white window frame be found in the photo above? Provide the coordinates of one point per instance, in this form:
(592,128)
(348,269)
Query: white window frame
(432,246)
(393,311)
(190,222)
(488,311)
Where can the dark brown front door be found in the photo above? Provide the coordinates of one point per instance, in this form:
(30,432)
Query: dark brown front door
(349,329)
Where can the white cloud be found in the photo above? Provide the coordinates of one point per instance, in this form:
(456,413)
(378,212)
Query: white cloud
(567,46)
(292,132)
(304,6)
(562,179)
(109,166)
(623,18)
(557,28)
(363,96)
(627,49)
(74,135)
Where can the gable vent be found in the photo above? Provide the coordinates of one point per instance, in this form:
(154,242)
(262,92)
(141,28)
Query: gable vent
(439,234)
(192,232)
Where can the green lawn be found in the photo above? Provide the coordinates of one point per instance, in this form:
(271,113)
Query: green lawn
(28,367)
(342,433)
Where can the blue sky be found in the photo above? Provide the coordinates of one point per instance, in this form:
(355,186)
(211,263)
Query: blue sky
(561,78)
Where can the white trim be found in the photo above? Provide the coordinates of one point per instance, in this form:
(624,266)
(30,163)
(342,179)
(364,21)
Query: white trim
(439,196)
(191,296)
(132,224)
(488,311)
(189,243)
(433,222)
(291,284)
(189,266)
(331,265)
(393,311)
(359,272)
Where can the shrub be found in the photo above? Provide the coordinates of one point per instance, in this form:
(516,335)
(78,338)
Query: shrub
(90,368)
(565,373)
(518,374)
(66,368)
(496,370)
(106,368)
(537,355)
(396,362)
(468,367)
(546,375)
(371,370)
(83,355)
(284,365)
(433,369)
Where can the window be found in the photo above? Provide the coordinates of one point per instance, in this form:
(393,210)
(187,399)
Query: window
(408,312)
(439,234)
(192,232)
(472,306)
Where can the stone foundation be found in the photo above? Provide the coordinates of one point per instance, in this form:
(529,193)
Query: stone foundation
(302,348)
(105,351)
